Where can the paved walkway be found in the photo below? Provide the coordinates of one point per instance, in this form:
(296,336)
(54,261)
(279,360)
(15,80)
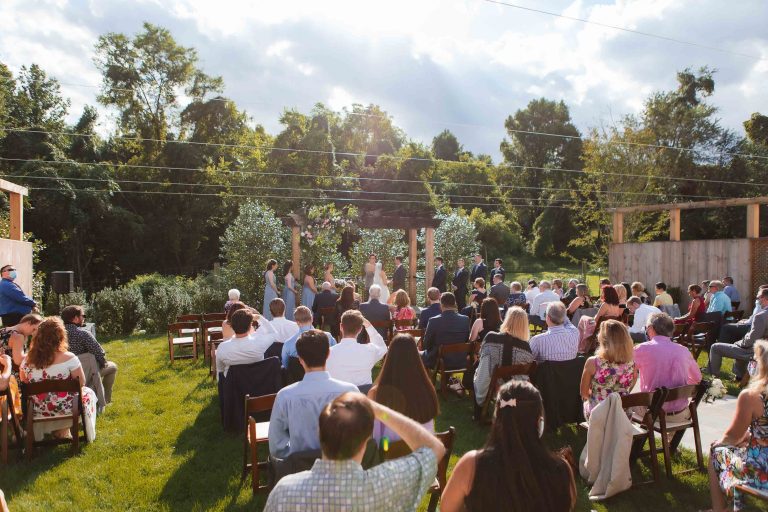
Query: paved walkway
(714,418)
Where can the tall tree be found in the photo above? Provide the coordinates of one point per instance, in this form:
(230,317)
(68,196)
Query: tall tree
(445,146)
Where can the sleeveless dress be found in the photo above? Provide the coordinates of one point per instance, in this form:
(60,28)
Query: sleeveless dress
(5,349)
(5,341)
(289,296)
(269,294)
(745,465)
(405,313)
(694,315)
(609,378)
(307,295)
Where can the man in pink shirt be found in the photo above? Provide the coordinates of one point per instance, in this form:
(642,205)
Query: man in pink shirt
(663,363)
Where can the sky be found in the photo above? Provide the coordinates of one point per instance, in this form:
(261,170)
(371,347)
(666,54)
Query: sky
(462,65)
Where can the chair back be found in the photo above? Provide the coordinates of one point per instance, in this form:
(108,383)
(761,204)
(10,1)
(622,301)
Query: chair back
(406,323)
(399,449)
(454,348)
(505,373)
(219,317)
(176,328)
(257,405)
(28,389)
(416,333)
(189,318)
(383,324)
(652,400)
(692,392)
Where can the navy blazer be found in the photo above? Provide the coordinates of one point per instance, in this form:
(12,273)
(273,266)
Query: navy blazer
(432,311)
(398,279)
(480,270)
(439,281)
(375,311)
(445,329)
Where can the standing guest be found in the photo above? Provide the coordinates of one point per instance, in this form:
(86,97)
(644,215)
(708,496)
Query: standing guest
(557,287)
(581,300)
(444,329)
(441,276)
(731,290)
(338,482)
(459,284)
(82,342)
(642,312)
(14,303)
(608,309)
(327,276)
(531,291)
(479,269)
(638,290)
(13,339)
(431,311)
(570,293)
(514,470)
(399,275)
(403,309)
(344,303)
(546,295)
(404,386)
(49,359)
(560,342)
(369,271)
(611,369)
(516,295)
(622,293)
(270,288)
(662,297)
(303,317)
(351,361)
(696,307)
(488,320)
(498,269)
(233,296)
(731,333)
(664,363)
(720,302)
(289,290)
(293,421)
(283,327)
(244,347)
(741,456)
(374,310)
(499,290)
(309,290)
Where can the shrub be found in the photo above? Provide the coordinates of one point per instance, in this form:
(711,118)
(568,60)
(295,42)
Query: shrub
(209,293)
(118,312)
(499,234)
(165,304)
(146,283)
(54,302)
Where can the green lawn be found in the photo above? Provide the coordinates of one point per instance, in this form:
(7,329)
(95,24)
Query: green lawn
(160,447)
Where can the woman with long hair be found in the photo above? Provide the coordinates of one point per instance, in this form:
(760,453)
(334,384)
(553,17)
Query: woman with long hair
(13,339)
(403,310)
(270,288)
(49,359)
(404,386)
(289,291)
(611,369)
(328,275)
(345,302)
(609,308)
(309,290)
(638,290)
(581,301)
(488,320)
(622,293)
(741,456)
(514,471)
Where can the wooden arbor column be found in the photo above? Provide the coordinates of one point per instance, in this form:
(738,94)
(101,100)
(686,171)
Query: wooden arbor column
(296,250)
(618,227)
(16,194)
(412,264)
(674,225)
(429,256)
(753,221)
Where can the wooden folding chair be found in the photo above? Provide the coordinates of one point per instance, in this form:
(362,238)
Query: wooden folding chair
(256,433)
(8,417)
(208,329)
(215,340)
(694,393)
(28,390)
(733,316)
(440,366)
(324,317)
(404,325)
(219,317)
(198,319)
(700,335)
(680,334)
(384,324)
(501,375)
(751,491)
(179,336)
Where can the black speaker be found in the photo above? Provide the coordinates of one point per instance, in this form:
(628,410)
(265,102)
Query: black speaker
(63,282)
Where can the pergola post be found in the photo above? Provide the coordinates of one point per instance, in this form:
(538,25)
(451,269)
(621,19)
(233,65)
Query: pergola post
(412,264)
(618,228)
(674,225)
(17,216)
(753,221)
(430,256)
(296,250)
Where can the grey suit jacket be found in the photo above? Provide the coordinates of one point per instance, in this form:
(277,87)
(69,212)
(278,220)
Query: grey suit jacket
(758,331)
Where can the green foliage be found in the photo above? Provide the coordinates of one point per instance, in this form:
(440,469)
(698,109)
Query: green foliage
(497,233)
(209,293)
(119,311)
(445,146)
(386,244)
(54,302)
(322,237)
(165,304)
(147,283)
(455,238)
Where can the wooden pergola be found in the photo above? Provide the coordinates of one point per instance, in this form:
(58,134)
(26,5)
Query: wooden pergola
(16,195)
(381,219)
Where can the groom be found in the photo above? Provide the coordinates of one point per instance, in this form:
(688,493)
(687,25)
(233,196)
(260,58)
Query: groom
(439,281)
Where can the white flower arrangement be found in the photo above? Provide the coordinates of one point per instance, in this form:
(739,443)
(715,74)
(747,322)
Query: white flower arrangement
(715,390)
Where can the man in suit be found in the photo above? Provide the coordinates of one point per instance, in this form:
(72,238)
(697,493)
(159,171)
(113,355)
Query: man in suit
(497,269)
(325,299)
(459,284)
(431,311)
(479,269)
(447,328)
(375,311)
(499,290)
(398,278)
(439,281)
(741,351)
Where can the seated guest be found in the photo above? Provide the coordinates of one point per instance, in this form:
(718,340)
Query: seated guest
(707,293)
(303,318)
(531,291)
(489,320)
(696,307)
(283,327)
(560,342)
(324,300)
(638,290)
(13,339)
(516,295)
(611,369)
(622,293)
(733,332)
(403,310)
(49,359)
(351,361)
(514,470)
(731,290)
(664,363)
(570,293)
(545,296)
(374,310)
(293,422)
(404,386)
(662,297)
(741,456)
(719,302)
(642,312)
(504,348)
(82,342)
(346,302)
(741,351)
(499,290)
(605,282)
(226,325)
(244,347)
(476,297)
(557,287)
(608,309)
(337,481)
(234,296)
(581,301)
(446,328)
(433,298)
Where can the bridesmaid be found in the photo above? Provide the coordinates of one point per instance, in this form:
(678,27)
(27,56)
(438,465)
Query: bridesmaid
(289,290)
(270,288)
(309,290)
(329,274)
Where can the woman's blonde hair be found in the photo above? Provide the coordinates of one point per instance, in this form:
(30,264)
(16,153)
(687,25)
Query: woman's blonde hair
(401,299)
(760,380)
(615,343)
(516,323)
(637,287)
(621,292)
(582,290)
(51,337)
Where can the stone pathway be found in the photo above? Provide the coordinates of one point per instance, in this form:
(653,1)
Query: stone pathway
(714,418)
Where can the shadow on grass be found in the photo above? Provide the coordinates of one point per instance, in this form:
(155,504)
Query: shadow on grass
(18,474)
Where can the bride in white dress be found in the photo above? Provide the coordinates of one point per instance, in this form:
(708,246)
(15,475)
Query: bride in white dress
(380,278)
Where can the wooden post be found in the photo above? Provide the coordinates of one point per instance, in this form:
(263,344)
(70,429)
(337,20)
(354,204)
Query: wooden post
(17,216)
(430,256)
(296,250)
(412,264)
(753,221)
(674,225)
(618,228)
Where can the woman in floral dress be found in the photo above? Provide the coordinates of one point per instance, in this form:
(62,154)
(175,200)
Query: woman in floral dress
(741,456)
(611,369)
(48,359)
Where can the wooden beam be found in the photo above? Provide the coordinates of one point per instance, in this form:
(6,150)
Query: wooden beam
(674,225)
(12,188)
(412,264)
(17,216)
(429,250)
(296,251)
(618,228)
(753,221)
(715,203)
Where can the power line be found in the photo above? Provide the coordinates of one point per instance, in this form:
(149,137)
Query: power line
(624,29)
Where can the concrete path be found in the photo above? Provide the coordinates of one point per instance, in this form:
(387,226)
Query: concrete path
(714,418)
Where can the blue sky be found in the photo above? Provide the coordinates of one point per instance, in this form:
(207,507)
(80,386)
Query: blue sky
(464,65)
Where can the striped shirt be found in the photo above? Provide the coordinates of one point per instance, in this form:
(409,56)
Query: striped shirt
(558,343)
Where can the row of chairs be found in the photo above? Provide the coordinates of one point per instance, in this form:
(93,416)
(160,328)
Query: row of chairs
(194,332)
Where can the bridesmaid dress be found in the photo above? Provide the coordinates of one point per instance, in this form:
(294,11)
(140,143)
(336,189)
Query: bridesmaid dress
(289,296)
(269,294)
(307,295)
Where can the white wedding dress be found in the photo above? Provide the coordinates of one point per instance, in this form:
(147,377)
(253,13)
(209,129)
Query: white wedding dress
(384,288)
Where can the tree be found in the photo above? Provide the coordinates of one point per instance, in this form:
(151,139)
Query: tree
(757,128)
(455,237)
(37,102)
(445,146)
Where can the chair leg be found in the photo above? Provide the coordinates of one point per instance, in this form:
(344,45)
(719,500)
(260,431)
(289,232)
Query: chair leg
(697,440)
(652,450)
(434,498)
(76,428)
(30,437)
(4,430)
(665,445)
(254,467)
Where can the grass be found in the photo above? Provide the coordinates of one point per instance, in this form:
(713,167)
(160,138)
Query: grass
(160,447)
